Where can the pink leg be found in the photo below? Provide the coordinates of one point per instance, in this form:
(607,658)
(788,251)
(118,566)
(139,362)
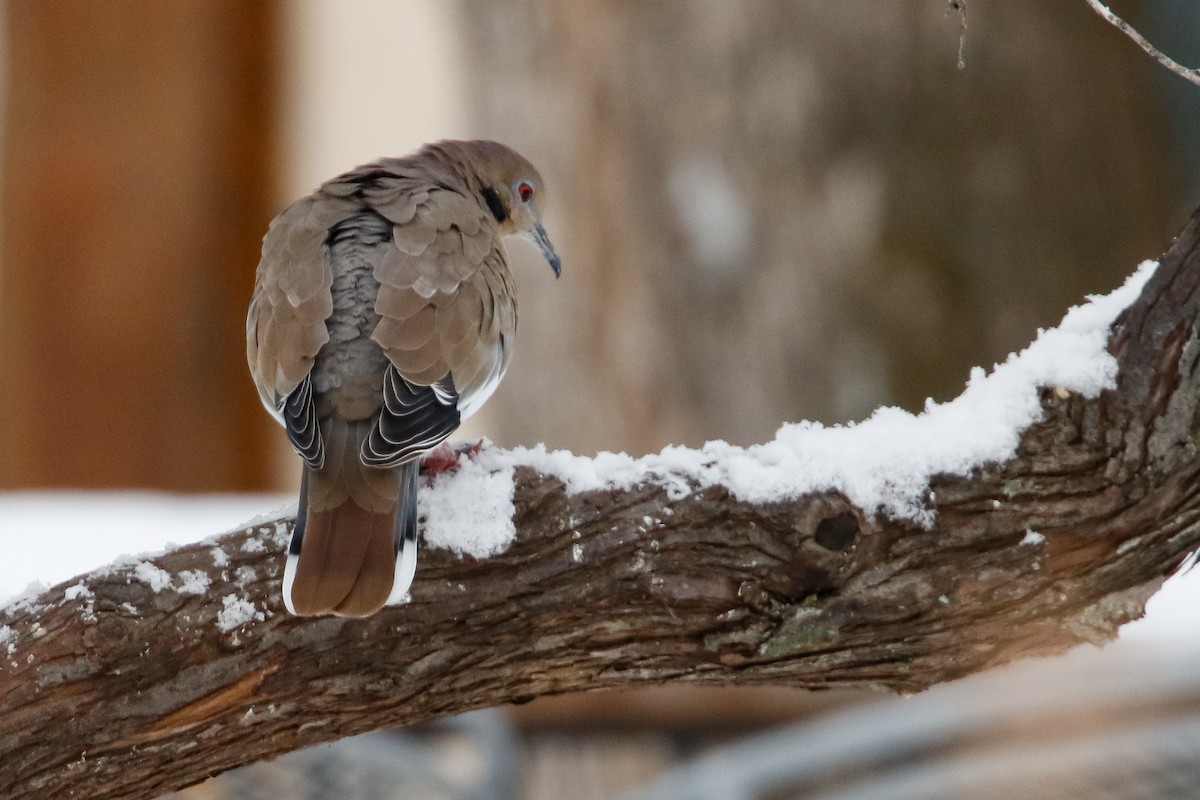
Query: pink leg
(445,456)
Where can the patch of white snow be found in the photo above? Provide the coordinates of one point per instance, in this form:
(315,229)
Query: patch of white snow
(193,581)
(285,510)
(220,557)
(253,545)
(154,577)
(470,510)
(77,591)
(237,611)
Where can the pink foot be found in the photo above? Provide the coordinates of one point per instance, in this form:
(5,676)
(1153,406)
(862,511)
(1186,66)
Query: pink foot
(444,457)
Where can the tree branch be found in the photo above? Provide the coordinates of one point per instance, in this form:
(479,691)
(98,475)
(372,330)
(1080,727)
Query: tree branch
(140,679)
(1104,11)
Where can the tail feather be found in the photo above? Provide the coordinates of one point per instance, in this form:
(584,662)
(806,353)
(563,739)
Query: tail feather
(355,543)
(346,562)
(406,534)
(372,585)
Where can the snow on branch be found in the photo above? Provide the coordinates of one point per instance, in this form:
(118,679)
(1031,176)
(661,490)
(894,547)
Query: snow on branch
(1104,11)
(1040,509)
(881,465)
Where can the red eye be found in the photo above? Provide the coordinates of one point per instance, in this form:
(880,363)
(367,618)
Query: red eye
(525,191)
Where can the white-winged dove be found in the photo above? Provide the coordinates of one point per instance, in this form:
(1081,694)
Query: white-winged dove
(383,315)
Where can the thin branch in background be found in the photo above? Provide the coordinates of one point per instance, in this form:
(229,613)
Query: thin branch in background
(961,7)
(1192,75)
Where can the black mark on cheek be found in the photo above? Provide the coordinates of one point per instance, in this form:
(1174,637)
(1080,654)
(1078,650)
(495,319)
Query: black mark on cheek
(494,203)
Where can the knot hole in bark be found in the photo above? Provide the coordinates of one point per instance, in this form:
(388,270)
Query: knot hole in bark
(837,532)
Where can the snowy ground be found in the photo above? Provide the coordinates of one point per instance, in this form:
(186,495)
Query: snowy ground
(53,536)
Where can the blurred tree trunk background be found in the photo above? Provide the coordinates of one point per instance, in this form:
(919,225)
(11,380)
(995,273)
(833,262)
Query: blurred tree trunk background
(768,210)
(773,210)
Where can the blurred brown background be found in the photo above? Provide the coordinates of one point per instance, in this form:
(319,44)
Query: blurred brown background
(767,211)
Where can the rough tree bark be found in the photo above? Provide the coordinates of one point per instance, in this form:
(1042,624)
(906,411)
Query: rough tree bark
(110,688)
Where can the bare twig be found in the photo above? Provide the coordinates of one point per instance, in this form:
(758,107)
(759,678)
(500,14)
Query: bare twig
(1192,75)
(961,7)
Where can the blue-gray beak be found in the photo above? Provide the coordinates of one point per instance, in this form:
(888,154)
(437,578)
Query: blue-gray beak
(543,241)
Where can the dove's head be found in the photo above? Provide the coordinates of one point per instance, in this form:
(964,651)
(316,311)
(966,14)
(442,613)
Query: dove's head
(512,190)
